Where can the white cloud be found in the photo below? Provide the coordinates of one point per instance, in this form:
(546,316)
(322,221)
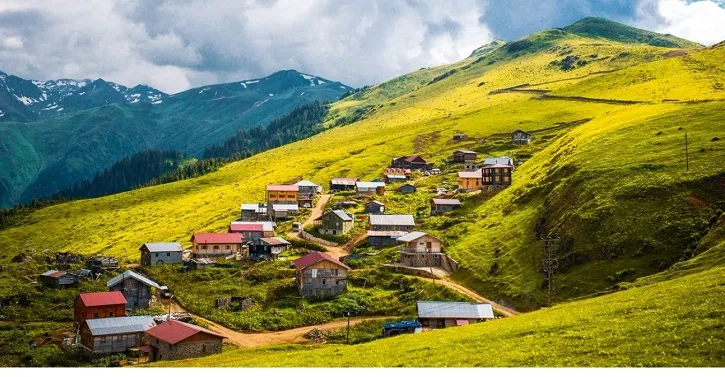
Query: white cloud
(12,42)
(700,21)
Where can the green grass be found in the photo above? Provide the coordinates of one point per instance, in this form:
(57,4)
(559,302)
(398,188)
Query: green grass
(654,326)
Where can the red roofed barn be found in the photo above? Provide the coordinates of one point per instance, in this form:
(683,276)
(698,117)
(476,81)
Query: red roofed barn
(175,340)
(320,275)
(99,305)
(216,245)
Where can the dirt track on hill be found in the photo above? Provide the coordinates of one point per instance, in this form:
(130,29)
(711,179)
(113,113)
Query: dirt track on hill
(333,251)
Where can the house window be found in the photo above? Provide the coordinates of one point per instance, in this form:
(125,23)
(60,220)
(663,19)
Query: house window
(110,314)
(216,247)
(334,272)
(168,254)
(323,281)
(95,314)
(203,247)
(229,247)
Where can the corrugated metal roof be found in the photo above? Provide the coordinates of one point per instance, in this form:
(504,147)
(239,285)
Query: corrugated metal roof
(456,310)
(386,233)
(343,181)
(392,220)
(450,202)
(369,184)
(315,257)
(120,325)
(267,226)
(163,247)
(217,238)
(103,298)
(497,166)
(173,331)
(254,207)
(274,241)
(285,207)
(470,174)
(306,183)
(506,160)
(132,275)
(467,151)
(412,236)
(282,188)
(53,274)
(246,227)
(342,215)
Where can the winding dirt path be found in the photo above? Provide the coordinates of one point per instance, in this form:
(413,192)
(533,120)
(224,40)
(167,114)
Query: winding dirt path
(317,211)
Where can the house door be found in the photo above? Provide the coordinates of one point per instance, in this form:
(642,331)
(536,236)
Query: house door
(428,246)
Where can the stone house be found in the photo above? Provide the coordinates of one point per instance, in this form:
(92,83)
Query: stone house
(419,249)
(136,288)
(335,222)
(319,275)
(113,335)
(176,340)
(158,253)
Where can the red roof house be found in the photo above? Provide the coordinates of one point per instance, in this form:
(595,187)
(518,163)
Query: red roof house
(216,245)
(175,340)
(314,257)
(99,305)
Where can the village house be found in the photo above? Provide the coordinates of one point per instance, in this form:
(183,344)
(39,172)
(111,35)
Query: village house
(176,340)
(57,279)
(520,137)
(113,335)
(283,194)
(342,184)
(307,193)
(216,245)
(200,263)
(254,212)
(411,162)
(136,288)
(98,264)
(407,189)
(279,211)
(375,207)
(438,206)
(464,156)
(98,305)
(369,188)
(393,175)
(392,178)
(496,176)
(252,230)
(419,249)
(157,253)
(488,161)
(345,205)
(469,180)
(460,137)
(442,314)
(267,248)
(319,275)
(335,222)
(385,229)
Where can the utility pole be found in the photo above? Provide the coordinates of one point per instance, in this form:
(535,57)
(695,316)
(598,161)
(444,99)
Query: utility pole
(347,337)
(170,297)
(687,155)
(549,265)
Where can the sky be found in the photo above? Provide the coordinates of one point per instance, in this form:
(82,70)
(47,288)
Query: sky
(181,44)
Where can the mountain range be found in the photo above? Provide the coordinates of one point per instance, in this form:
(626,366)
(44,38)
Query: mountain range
(54,134)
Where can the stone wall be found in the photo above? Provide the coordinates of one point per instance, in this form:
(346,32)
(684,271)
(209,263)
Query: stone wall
(180,351)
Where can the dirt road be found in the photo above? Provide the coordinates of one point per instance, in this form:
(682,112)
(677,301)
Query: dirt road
(317,211)
(245,340)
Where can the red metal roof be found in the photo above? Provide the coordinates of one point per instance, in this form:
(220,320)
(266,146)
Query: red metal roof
(217,238)
(283,188)
(103,298)
(315,257)
(173,331)
(246,227)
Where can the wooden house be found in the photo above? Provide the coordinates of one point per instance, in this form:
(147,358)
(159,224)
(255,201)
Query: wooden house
(98,305)
(279,211)
(307,193)
(342,184)
(464,156)
(345,205)
(252,230)
(419,249)
(254,212)
(283,194)
(369,188)
(520,137)
(113,335)
(469,180)
(216,245)
(496,176)
(385,229)
(335,222)
(136,288)
(375,207)
(438,206)
(393,175)
(411,162)
(176,340)
(319,275)
(98,264)
(57,279)
(442,314)
(460,137)
(503,160)
(158,253)
(200,263)
(268,248)
(407,189)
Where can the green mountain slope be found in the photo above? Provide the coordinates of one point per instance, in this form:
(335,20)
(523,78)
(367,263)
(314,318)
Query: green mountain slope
(41,158)
(613,31)
(606,176)
(654,326)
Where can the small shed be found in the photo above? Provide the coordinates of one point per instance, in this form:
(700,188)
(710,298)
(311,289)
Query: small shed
(158,253)
(136,288)
(200,263)
(442,314)
(98,264)
(114,335)
(375,207)
(345,205)
(438,205)
(268,248)
(58,279)
(520,137)
(464,155)
(176,340)
(369,188)
(407,189)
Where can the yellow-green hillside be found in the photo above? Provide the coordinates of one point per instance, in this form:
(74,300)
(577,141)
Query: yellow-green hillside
(664,324)
(608,177)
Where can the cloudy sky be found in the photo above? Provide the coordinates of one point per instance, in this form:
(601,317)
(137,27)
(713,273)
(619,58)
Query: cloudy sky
(176,45)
